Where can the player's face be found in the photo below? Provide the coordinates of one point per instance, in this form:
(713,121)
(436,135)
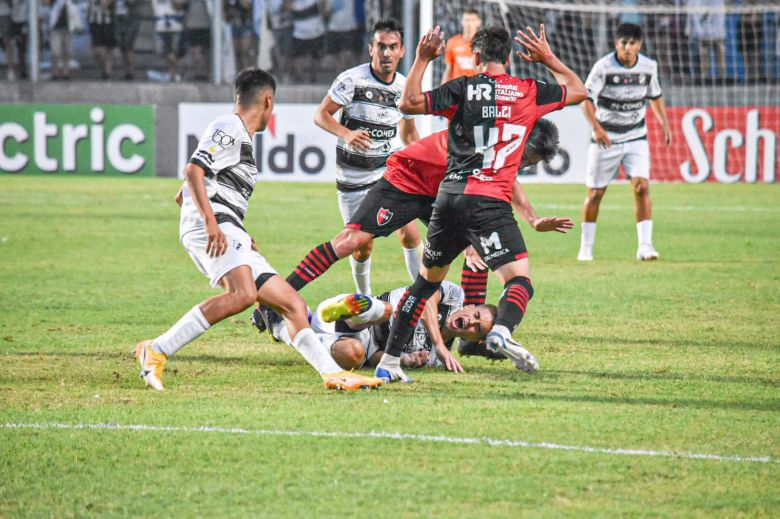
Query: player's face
(471,323)
(628,50)
(470,23)
(386,50)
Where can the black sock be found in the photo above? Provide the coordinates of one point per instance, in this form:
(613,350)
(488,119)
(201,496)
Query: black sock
(316,262)
(474,285)
(407,313)
(511,308)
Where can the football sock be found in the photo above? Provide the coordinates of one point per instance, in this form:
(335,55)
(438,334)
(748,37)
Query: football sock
(361,273)
(316,262)
(413,260)
(309,346)
(375,312)
(191,326)
(588,234)
(407,313)
(644,232)
(511,308)
(474,285)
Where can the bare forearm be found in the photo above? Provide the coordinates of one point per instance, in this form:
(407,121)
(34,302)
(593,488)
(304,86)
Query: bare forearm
(590,114)
(430,320)
(409,131)
(575,88)
(197,188)
(659,109)
(522,205)
(327,122)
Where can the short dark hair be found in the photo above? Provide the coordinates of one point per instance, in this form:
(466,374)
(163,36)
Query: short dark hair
(628,30)
(473,11)
(388,25)
(249,82)
(493,43)
(544,139)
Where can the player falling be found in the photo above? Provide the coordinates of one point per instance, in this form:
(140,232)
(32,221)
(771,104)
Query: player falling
(220,179)
(369,130)
(491,115)
(619,85)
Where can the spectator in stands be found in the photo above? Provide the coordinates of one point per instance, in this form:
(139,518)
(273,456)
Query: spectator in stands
(59,37)
(707,31)
(197,22)
(128,20)
(458,58)
(751,31)
(280,21)
(239,15)
(102,30)
(308,37)
(344,38)
(169,25)
(18,34)
(5,37)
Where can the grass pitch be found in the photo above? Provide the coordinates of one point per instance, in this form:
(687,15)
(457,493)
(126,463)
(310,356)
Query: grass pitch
(679,355)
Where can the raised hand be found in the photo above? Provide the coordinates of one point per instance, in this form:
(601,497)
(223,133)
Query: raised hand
(537,48)
(431,45)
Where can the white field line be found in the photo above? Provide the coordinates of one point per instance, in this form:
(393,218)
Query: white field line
(394,436)
(687,208)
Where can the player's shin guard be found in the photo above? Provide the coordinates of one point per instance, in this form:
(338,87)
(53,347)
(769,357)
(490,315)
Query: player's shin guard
(408,312)
(316,262)
(518,291)
(474,285)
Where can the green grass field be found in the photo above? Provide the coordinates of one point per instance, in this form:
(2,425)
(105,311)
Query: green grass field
(680,356)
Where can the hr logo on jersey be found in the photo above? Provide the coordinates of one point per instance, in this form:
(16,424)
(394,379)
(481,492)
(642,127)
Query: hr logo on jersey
(490,242)
(223,139)
(479,92)
(383,216)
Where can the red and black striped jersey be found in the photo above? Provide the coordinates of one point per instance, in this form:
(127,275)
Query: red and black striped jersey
(490,120)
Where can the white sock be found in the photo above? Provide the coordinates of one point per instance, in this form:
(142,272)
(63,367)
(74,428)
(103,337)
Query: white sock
(280,333)
(309,346)
(389,362)
(375,312)
(588,236)
(413,260)
(644,232)
(189,328)
(361,273)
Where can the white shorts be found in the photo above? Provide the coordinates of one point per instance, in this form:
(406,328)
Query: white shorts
(604,163)
(349,203)
(239,252)
(328,334)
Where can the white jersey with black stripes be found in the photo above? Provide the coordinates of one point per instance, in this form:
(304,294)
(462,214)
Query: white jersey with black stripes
(226,154)
(369,104)
(620,95)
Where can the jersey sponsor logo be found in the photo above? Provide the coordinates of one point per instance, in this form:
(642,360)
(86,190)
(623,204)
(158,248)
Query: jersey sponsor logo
(383,216)
(490,242)
(479,92)
(222,139)
(626,79)
(508,92)
(497,112)
(617,105)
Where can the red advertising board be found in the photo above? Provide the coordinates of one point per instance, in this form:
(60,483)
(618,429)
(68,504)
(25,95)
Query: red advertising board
(724,144)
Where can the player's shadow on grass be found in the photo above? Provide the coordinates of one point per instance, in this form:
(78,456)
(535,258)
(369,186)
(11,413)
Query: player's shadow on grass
(266,358)
(651,341)
(654,375)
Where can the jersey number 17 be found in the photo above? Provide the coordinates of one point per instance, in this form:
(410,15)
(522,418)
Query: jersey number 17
(491,159)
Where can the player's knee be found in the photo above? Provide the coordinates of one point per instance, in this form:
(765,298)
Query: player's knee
(363,252)
(641,188)
(595,195)
(244,299)
(348,353)
(346,242)
(410,237)
(293,307)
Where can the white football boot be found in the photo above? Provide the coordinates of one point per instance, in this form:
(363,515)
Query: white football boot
(646,252)
(514,351)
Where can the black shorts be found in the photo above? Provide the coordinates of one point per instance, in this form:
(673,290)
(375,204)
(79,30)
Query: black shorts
(313,48)
(484,222)
(385,209)
(199,38)
(103,35)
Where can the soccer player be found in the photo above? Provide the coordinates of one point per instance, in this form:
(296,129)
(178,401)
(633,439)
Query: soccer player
(370,128)
(619,86)
(220,178)
(407,191)
(356,327)
(458,58)
(490,117)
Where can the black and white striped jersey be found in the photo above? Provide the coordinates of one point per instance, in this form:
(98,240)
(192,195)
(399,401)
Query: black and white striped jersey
(620,94)
(226,154)
(370,104)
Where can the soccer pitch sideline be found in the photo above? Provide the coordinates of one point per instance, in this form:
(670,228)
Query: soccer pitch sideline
(657,394)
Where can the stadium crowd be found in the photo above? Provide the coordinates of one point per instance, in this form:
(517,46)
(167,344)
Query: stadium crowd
(310,39)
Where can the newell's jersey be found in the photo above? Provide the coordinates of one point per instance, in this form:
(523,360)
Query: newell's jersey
(419,168)
(452,297)
(620,95)
(490,120)
(226,154)
(372,105)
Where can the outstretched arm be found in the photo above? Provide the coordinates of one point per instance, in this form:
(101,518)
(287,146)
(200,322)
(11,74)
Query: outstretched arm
(430,47)
(523,207)
(430,320)
(538,49)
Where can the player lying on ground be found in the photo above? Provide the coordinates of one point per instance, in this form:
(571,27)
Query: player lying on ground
(220,179)
(356,327)
(407,191)
(490,116)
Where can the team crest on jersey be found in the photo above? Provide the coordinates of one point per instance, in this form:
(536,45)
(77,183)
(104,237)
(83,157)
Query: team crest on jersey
(383,216)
